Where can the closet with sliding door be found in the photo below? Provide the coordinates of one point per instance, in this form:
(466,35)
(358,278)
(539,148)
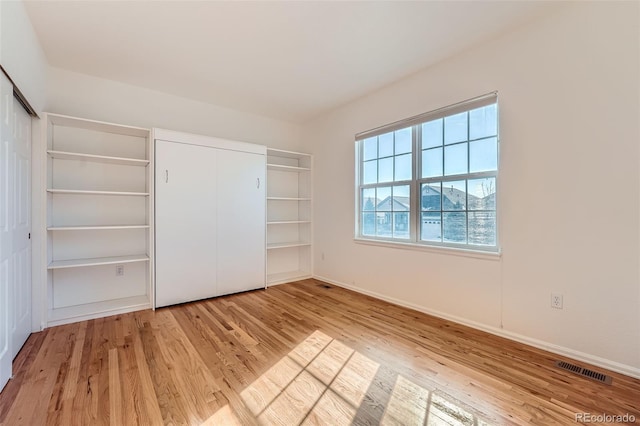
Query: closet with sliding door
(210,213)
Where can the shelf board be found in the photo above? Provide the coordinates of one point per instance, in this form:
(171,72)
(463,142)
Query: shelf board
(58,316)
(92,228)
(62,155)
(85,192)
(288,199)
(288,276)
(98,126)
(287,168)
(286,154)
(287,222)
(273,246)
(78,263)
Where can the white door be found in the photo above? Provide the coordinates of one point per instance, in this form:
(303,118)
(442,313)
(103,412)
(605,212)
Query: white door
(6,235)
(241,221)
(15,224)
(21,288)
(185,206)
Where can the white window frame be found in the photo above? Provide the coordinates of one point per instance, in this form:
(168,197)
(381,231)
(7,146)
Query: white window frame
(416,182)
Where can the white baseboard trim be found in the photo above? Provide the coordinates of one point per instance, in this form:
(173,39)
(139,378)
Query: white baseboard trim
(627,370)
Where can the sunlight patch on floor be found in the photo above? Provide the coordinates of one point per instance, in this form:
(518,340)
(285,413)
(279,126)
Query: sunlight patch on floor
(223,416)
(324,382)
(320,381)
(407,405)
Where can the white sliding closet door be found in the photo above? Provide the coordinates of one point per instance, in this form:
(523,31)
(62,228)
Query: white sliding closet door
(241,221)
(15,226)
(185,198)
(21,321)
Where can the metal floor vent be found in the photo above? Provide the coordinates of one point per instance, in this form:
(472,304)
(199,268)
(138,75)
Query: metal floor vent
(585,372)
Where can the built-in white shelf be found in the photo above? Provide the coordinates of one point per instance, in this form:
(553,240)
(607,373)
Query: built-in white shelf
(290,214)
(271,166)
(287,222)
(86,192)
(95,228)
(63,155)
(86,311)
(78,263)
(272,246)
(98,211)
(287,199)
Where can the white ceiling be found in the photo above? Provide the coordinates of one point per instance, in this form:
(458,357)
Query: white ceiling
(287,60)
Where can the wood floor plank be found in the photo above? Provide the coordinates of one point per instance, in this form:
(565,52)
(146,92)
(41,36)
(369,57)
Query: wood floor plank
(305,352)
(151,413)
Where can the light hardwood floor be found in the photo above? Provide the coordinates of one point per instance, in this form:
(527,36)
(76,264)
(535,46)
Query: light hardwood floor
(304,352)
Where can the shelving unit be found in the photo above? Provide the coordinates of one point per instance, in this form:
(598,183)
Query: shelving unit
(289,216)
(98,219)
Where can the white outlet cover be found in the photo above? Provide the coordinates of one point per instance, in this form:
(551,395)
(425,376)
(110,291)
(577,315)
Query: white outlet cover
(556,300)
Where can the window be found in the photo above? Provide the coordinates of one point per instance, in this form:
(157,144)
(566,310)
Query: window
(432,179)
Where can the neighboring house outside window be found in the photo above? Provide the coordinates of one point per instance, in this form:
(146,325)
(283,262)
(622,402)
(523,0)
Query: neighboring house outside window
(446,194)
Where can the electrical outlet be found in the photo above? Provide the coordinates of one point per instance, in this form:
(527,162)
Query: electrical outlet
(556,300)
(119,270)
(322,256)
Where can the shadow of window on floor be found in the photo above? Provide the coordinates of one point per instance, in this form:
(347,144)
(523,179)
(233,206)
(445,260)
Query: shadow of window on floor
(323,381)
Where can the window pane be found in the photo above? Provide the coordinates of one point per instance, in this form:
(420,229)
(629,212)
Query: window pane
(455,159)
(368,198)
(385,145)
(483,122)
(482,194)
(368,224)
(385,174)
(403,167)
(402,202)
(370,172)
(482,228)
(454,195)
(454,227)
(401,190)
(401,225)
(403,141)
(455,128)
(483,155)
(383,225)
(431,227)
(370,148)
(431,197)
(432,134)
(383,196)
(432,162)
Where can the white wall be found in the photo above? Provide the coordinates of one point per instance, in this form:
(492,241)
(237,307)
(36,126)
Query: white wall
(569,188)
(91,97)
(20,53)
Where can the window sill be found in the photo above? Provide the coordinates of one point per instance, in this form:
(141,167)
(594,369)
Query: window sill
(454,251)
